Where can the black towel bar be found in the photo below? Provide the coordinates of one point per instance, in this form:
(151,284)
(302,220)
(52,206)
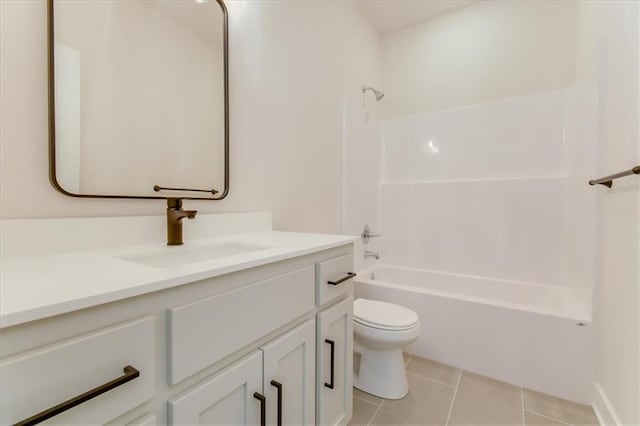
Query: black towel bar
(608,180)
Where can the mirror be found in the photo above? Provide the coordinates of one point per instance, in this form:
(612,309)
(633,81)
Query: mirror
(138,98)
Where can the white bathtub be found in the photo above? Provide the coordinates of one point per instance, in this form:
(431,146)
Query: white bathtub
(530,335)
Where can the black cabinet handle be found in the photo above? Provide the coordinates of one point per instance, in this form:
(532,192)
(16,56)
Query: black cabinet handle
(343,279)
(332,344)
(130,373)
(263,408)
(278,386)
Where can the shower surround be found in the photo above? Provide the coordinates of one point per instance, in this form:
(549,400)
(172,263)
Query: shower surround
(487,225)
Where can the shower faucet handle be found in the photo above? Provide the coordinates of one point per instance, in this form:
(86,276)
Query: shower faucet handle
(367,235)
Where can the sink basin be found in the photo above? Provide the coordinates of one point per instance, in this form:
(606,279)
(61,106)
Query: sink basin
(184,255)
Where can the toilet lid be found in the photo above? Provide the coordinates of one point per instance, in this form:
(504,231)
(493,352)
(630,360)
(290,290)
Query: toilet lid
(383,315)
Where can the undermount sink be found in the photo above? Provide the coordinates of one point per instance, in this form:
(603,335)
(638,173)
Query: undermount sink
(184,255)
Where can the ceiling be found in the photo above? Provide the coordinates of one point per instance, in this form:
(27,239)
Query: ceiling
(391,15)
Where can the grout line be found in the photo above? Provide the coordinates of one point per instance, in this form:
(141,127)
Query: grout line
(453,400)
(375,413)
(364,400)
(522,405)
(549,418)
(432,380)
(409,358)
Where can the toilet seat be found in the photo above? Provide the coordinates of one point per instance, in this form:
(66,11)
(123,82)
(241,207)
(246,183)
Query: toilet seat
(383,315)
(382,327)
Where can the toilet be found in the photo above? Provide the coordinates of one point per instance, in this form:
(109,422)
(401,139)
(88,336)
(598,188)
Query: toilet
(381,330)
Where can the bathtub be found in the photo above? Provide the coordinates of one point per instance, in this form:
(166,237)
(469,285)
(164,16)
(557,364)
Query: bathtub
(530,335)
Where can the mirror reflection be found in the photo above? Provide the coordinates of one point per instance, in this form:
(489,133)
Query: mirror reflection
(139,96)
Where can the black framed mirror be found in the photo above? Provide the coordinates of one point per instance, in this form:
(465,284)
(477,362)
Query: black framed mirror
(139,98)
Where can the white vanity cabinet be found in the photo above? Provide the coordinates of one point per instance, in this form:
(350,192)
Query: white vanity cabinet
(334,363)
(279,379)
(248,347)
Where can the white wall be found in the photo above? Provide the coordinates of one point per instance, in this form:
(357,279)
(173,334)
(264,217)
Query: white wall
(484,52)
(362,147)
(291,68)
(614,25)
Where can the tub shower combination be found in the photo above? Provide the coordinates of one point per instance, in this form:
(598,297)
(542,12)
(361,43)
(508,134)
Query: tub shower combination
(494,255)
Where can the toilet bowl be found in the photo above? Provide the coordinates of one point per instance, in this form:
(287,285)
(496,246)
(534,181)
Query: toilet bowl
(381,330)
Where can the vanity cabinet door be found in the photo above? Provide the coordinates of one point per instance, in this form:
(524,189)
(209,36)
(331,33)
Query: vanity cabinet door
(334,363)
(227,398)
(289,377)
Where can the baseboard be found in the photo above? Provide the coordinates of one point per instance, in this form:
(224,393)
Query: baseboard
(603,408)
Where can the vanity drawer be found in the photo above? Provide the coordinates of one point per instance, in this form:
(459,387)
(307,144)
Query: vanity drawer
(146,420)
(334,278)
(206,331)
(42,378)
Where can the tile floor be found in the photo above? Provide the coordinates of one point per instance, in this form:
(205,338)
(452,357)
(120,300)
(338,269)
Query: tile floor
(444,395)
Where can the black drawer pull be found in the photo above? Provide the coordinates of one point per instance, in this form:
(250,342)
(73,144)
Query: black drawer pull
(332,344)
(278,386)
(130,373)
(263,408)
(343,279)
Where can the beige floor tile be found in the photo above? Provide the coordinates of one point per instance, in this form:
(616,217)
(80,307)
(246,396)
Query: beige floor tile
(362,412)
(367,396)
(560,409)
(531,419)
(407,357)
(483,401)
(434,370)
(427,403)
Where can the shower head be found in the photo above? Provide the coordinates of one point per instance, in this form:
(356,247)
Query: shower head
(379,95)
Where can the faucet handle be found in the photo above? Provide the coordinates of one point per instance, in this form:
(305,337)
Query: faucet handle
(367,235)
(174,203)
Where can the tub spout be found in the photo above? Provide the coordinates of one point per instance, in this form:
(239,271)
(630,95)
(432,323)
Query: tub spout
(372,254)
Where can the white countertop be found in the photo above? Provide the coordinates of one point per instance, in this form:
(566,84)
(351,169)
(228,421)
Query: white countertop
(37,287)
